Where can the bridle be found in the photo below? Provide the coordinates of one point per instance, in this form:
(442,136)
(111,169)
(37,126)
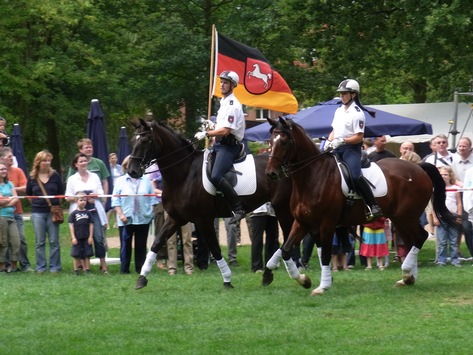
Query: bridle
(287,168)
(146,160)
(149,158)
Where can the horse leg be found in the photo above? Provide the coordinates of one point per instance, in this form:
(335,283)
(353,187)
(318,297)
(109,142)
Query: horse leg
(295,237)
(169,228)
(325,257)
(283,214)
(271,265)
(409,267)
(207,229)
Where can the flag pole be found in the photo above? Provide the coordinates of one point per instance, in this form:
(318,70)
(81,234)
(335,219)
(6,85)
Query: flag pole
(211,80)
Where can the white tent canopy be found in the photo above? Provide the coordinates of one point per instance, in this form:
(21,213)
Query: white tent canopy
(439,115)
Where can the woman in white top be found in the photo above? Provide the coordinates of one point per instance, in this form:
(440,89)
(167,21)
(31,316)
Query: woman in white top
(89,183)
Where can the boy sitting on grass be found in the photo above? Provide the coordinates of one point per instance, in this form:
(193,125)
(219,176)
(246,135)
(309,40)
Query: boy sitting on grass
(81,226)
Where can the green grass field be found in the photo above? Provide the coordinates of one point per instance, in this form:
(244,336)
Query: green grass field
(362,314)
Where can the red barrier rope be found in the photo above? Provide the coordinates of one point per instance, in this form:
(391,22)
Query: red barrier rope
(91,195)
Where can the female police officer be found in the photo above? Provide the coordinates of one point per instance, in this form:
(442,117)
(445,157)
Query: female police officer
(346,139)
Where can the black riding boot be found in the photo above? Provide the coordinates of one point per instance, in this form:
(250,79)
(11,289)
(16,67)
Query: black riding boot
(233,199)
(365,192)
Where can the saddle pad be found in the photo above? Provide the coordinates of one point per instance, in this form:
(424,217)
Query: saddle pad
(374,175)
(246,183)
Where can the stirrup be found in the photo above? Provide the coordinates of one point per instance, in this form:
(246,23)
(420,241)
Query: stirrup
(237,217)
(373,213)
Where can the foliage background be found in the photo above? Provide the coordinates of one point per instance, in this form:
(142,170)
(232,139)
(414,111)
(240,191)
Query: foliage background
(140,56)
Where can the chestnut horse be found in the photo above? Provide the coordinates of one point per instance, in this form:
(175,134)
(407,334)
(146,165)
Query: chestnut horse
(184,197)
(318,203)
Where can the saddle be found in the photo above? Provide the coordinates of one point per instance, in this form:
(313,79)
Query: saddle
(346,174)
(230,175)
(242,176)
(372,174)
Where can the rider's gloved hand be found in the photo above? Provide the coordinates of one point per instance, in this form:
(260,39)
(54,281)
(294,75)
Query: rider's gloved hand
(328,146)
(200,135)
(337,142)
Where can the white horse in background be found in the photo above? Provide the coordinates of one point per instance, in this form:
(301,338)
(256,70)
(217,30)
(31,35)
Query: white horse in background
(259,75)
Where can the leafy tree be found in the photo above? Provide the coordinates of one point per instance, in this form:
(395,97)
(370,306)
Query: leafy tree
(140,56)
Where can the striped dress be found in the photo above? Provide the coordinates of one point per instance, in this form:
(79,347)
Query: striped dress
(374,240)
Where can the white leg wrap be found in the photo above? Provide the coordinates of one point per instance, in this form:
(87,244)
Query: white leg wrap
(149,262)
(326,277)
(274,261)
(415,270)
(410,263)
(319,253)
(292,269)
(225,270)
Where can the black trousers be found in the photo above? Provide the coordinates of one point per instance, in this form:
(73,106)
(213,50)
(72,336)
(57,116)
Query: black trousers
(140,232)
(259,225)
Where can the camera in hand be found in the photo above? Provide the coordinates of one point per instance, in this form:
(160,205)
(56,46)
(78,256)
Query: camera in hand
(6,140)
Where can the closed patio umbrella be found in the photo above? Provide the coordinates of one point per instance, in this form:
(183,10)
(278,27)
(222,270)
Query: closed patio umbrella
(17,148)
(96,132)
(123,145)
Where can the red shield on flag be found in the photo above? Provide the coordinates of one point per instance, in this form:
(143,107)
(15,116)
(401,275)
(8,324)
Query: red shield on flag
(259,76)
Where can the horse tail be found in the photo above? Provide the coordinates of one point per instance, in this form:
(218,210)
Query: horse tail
(447,218)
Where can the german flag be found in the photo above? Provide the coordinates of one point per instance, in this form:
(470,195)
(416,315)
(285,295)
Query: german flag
(260,86)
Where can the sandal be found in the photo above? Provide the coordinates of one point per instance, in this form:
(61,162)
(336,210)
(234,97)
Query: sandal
(104,271)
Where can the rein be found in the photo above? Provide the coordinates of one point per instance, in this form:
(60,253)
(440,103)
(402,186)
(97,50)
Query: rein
(288,168)
(306,162)
(152,161)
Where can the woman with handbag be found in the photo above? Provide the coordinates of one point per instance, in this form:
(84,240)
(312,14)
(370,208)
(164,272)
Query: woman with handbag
(89,183)
(42,181)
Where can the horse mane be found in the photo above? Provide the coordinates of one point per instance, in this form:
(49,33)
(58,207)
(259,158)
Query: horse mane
(288,128)
(155,125)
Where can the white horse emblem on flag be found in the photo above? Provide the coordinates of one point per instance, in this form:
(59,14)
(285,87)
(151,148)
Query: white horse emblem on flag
(259,75)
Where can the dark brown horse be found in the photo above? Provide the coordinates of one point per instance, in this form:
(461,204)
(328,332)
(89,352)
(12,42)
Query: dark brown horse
(184,197)
(318,203)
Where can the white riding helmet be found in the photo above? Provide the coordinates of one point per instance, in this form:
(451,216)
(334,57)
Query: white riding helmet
(230,75)
(349,85)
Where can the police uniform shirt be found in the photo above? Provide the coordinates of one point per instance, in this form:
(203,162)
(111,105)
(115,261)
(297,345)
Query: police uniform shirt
(230,115)
(348,123)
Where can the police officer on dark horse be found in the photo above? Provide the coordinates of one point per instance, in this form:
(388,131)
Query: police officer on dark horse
(346,140)
(229,131)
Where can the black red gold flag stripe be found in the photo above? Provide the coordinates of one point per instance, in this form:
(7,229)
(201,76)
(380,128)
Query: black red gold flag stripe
(260,85)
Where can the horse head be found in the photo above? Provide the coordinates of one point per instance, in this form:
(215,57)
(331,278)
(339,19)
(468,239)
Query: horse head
(281,148)
(141,155)
(156,142)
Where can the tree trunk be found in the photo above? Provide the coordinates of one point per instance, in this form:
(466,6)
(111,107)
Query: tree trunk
(53,144)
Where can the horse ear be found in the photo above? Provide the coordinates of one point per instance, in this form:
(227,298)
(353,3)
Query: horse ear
(272,122)
(134,124)
(283,122)
(144,124)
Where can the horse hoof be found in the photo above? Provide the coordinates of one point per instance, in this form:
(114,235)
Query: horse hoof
(317,291)
(141,282)
(305,281)
(409,280)
(267,277)
(400,283)
(228,285)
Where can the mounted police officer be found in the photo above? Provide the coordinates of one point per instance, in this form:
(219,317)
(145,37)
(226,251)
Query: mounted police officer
(229,130)
(346,140)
